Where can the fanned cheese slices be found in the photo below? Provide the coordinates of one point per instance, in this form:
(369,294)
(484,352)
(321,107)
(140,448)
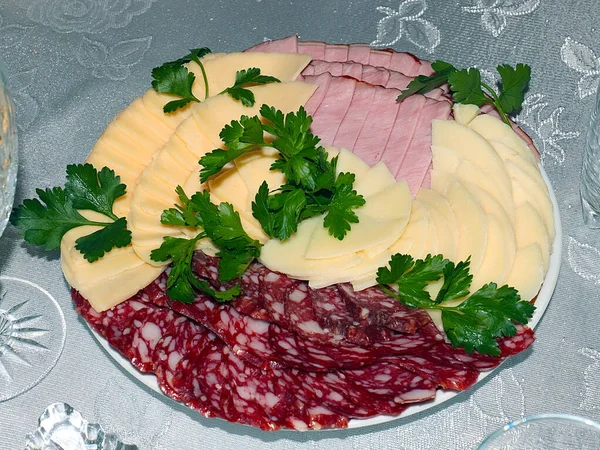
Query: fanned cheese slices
(128,145)
(200,135)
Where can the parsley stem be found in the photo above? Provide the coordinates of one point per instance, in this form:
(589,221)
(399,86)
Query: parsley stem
(197,61)
(496,103)
(99,224)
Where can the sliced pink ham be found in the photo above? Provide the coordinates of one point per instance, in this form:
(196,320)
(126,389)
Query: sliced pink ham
(374,126)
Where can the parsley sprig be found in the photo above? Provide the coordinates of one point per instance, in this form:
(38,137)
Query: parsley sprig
(489,313)
(45,222)
(467,87)
(222,225)
(174,78)
(244,79)
(312,186)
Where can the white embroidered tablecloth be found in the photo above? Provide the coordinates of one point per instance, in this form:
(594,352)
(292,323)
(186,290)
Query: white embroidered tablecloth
(73,64)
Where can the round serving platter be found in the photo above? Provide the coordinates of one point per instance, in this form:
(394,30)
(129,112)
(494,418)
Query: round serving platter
(541,303)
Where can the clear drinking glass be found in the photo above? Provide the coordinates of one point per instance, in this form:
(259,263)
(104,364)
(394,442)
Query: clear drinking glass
(32,325)
(590,171)
(8,152)
(546,432)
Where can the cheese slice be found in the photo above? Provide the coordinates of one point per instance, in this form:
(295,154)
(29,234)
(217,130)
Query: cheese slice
(530,229)
(464,114)
(349,162)
(492,128)
(508,154)
(416,232)
(435,200)
(471,222)
(527,273)
(499,255)
(526,189)
(444,159)
(255,168)
(446,241)
(381,222)
(288,256)
(375,180)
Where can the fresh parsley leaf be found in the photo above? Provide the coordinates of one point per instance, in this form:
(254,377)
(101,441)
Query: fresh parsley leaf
(223,226)
(466,85)
(514,83)
(245,78)
(95,245)
(240,136)
(174,78)
(297,146)
(181,215)
(90,189)
(280,213)
(45,221)
(457,281)
(488,314)
(340,212)
(182,283)
(46,224)
(423,84)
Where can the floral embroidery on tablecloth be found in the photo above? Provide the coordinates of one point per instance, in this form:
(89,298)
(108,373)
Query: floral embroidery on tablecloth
(546,127)
(584,259)
(582,59)
(86,16)
(112,62)
(406,22)
(494,13)
(11,35)
(26,106)
(591,376)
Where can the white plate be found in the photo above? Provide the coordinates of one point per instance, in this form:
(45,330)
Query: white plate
(442,396)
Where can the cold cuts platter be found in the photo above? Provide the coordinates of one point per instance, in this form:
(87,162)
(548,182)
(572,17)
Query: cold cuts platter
(309,236)
(442,396)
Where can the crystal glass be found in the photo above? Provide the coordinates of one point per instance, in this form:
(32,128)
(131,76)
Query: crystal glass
(590,171)
(62,427)
(546,432)
(8,152)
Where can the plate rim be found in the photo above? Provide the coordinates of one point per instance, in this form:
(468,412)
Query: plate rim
(442,396)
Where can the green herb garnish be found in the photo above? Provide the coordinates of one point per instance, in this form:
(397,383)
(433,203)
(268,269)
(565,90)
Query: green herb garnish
(174,78)
(467,87)
(312,186)
(222,225)
(245,78)
(489,313)
(46,223)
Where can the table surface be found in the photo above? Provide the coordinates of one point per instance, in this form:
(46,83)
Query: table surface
(74,64)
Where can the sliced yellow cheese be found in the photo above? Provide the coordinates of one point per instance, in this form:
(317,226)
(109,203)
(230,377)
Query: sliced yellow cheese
(349,162)
(375,180)
(446,241)
(229,187)
(470,146)
(94,280)
(288,256)
(530,229)
(508,154)
(469,173)
(381,222)
(416,233)
(499,255)
(471,222)
(464,114)
(444,159)
(435,200)
(255,168)
(527,273)
(526,189)
(156,189)
(492,128)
